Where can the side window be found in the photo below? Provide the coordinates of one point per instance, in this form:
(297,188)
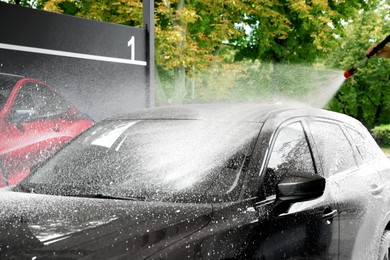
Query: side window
(290,153)
(334,150)
(39,101)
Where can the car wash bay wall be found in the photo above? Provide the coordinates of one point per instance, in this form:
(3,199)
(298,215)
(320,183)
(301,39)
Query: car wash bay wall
(101,68)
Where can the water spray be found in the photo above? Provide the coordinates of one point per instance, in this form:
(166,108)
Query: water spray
(350,71)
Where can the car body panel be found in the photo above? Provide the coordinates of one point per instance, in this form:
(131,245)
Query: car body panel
(85,225)
(357,211)
(359,192)
(112,228)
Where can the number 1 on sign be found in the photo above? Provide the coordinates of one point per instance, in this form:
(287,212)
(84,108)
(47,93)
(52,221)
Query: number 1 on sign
(131,44)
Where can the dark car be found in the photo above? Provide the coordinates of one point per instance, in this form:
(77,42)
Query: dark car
(217,181)
(35,121)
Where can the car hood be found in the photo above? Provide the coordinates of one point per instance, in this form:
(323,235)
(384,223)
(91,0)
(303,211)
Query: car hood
(43,226)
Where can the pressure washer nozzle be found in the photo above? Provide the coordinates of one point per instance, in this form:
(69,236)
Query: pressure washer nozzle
(349,72)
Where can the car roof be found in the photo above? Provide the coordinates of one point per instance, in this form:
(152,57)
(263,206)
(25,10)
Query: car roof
(8,75)
(243,112)
(218,112)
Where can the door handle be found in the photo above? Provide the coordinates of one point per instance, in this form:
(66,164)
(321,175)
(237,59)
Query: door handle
(375,189)
(329,215)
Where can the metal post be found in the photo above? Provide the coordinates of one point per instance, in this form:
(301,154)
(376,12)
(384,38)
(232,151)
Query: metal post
(148,11)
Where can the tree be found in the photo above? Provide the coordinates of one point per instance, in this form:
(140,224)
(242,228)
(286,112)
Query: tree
(365,96)
(25,3)
(297,30)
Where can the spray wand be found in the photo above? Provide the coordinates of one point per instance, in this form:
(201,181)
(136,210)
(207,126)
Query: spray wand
(350,71)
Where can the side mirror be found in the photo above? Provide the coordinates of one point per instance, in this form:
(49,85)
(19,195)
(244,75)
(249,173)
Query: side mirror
(298,187)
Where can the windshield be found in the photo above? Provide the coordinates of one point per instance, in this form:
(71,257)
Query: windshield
(154,159)
(6,84)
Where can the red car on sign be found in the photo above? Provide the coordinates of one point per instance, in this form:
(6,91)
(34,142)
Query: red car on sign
(35,120)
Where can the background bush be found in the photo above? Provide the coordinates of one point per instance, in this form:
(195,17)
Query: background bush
(381,134)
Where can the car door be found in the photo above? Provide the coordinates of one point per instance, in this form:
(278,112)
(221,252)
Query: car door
(35,127)
(359,192)
(305,229)
(255,228)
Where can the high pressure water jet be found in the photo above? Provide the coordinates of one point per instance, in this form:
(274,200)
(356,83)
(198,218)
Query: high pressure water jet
(350,71)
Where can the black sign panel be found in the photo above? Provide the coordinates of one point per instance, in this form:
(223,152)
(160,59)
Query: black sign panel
(99,66)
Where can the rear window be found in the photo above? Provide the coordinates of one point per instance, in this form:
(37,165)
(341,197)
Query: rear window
(335,151)
(366,146)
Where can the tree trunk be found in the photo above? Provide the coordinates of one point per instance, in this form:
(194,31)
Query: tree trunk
(179,87)
(379,108)
(359,103)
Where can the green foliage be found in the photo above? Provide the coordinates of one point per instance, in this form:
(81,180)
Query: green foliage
(381,134)
(121,12)
(296,30)
(25,3)
(365,96)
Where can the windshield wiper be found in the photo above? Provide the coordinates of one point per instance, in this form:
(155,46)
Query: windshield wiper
(101,195)
(106,196)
